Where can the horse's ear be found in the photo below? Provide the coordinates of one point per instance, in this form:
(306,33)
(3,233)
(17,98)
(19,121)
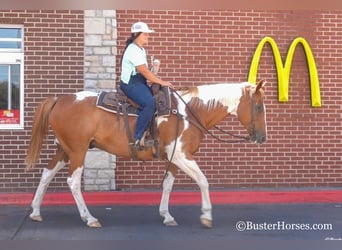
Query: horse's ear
(260,84)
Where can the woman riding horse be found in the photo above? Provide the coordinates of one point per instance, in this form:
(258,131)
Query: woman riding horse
(134,76)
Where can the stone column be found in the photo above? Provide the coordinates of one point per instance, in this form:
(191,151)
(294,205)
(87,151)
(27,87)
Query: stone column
(100,41)
(100,49)
(99,171)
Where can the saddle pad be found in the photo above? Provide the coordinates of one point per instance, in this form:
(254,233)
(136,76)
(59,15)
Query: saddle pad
(113,102)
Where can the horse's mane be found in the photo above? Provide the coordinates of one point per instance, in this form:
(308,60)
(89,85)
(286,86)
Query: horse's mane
(187,90)
(211,95)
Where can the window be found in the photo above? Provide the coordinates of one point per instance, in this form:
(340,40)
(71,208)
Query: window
(11,77)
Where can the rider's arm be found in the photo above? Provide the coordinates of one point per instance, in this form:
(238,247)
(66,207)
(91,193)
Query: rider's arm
(142,69)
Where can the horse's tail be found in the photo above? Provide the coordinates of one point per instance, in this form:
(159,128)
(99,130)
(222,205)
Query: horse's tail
(39,131)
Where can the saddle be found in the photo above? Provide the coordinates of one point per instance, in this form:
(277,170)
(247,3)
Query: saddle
(117,102)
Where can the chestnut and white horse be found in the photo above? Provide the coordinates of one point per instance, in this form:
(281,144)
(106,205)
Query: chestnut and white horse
(77,123)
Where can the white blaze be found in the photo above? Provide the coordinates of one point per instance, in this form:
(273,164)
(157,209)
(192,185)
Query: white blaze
(80,96)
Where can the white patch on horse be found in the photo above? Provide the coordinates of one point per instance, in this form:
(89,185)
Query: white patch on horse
(170,149)
(45,180)
(227,94)
(181,108)
(74,182)
(164,202)
(161,119)
(191,168)
(80,96)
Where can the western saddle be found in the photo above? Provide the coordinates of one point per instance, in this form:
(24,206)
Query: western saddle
(117,102)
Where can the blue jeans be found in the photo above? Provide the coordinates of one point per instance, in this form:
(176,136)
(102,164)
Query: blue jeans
(138,90)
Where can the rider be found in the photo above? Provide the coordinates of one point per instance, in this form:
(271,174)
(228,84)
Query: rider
(134,76)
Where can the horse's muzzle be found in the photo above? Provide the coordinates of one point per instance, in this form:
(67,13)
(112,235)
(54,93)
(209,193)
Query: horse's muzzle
(259,138)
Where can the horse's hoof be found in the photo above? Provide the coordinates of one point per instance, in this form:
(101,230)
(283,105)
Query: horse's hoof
(37,218)
(94,224)
(207,223)
(172,223)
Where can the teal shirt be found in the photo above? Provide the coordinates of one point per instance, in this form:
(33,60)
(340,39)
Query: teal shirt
(133,57)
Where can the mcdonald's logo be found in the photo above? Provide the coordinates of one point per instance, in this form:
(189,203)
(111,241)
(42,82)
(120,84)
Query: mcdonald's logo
(283,71)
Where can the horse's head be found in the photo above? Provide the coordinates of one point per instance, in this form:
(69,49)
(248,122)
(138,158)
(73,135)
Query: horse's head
(251,112)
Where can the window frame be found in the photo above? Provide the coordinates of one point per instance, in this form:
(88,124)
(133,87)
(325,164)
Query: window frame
(10,56)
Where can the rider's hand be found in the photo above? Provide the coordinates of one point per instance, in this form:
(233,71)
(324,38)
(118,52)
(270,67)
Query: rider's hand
(168,84)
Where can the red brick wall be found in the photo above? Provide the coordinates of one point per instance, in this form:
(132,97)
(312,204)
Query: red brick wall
(203,47)
(53,65)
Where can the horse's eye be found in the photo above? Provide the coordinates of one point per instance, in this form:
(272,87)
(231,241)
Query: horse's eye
(259,108)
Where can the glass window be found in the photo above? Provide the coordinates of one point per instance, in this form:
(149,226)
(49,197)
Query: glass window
(11,39)
(9,45)
(11,78)
(10,32)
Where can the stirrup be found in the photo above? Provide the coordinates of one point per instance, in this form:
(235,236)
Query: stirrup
(143,144)
(138,146)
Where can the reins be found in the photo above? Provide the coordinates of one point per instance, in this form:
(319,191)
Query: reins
(200,125)
(169,162)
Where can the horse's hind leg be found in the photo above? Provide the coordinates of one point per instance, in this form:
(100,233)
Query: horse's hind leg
(164,202)
(74,182)
(57,163)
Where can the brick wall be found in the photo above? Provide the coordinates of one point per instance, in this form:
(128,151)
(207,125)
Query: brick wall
(198,47)
(203,47)
(53,65)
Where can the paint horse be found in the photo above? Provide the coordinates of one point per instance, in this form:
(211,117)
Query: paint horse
(77,123)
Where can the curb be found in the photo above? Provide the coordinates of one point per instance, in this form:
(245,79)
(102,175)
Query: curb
(178,197)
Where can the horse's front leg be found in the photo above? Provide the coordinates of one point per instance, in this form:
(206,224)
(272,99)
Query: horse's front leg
(74,182)
(164,202)
(190,167)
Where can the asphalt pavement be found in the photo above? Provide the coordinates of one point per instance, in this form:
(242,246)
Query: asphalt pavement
(316,221)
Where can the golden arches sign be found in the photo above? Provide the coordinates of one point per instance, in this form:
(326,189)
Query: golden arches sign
(284,71)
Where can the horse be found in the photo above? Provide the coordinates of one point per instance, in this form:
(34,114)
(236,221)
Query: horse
(77,123)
